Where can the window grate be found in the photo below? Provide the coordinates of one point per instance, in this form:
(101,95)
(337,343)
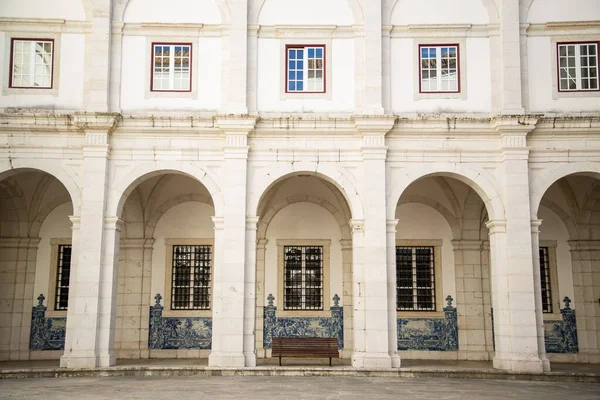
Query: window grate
(415,279)
(303,275)
(63,273)
(191,281)
(545,280)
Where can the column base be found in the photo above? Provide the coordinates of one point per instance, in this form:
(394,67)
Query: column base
(395,360)
(371,360)
(250,359)
(77,360)
(515,364)
(235,360)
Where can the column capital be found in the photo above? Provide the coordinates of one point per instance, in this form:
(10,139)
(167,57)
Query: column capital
(513,129)
(75,222)
(346,244)
(251,223)
(374,124)
(219,223)
(391,225)
(535,225)
(113,223)
(94,123)
(496,226)
(261,244)
(358,226)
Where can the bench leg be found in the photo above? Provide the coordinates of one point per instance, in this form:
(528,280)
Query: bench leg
(330,361)
(280,361)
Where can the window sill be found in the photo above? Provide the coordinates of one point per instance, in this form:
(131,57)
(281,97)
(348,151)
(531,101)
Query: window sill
(305,96)
(440,95)
(571,95)
(420,314)
(32,91)
(170,95)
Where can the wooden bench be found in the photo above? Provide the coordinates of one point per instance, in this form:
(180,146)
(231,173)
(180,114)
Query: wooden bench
(301,347)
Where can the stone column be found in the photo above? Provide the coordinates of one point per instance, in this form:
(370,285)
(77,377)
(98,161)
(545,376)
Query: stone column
(510,50)
(537,286)
(585,258)
(359,333)
(116,48)
(260,296)
(252,74)
(373,276)
(373,75)
(229,277)
(250,293)
(469,273)
(235,61)
(87,294)
(98,58)
(391,287)
(75,240)
(515,325)
(346,245)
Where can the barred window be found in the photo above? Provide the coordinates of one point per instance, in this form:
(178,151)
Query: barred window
(191,281)
(415,279)
(303,278)
(63,272)
(545,280)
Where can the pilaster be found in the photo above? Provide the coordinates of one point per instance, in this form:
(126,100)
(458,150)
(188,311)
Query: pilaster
(98,58)
(373,276)
(537,286)
(235,61)
(391,225)
(510,58)
(230,277)
(250,292)
(373,72)
(90,332)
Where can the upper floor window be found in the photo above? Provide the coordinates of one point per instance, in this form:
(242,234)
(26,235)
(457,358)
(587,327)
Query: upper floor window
(63,273)
(191,277)
(415,278)
(439,71)
(171,67)
(305,71)
(303,278)
(31,63)
(577,66)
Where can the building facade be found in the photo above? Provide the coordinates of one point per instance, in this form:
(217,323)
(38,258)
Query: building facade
(195,177)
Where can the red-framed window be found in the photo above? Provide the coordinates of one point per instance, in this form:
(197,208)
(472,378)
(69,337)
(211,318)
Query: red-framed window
(31,63)
(439,68)
(305,68)
(577,66)
(171,67)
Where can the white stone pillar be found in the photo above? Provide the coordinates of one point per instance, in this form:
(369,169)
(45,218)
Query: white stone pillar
(116,48)
(97,58)
(260,297)
(537,285)
(515,325)
(359,333)
(250,293)
(229,277)
(87,312)
(374,274)
(391,285)
(75,240)
(347,268)
(373,73)
(236,61)
(510,50)
(252,68)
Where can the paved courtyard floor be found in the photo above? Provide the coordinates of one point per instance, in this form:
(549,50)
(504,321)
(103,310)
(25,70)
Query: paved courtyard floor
(280,387)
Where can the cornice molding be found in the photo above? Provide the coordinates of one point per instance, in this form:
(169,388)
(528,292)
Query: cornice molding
(571,28)
(169,29)
(45,25)
(441,30)
(305,31)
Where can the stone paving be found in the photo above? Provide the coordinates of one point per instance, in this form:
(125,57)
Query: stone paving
(257,387)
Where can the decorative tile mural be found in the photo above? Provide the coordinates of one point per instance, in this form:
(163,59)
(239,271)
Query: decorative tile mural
(177,332)
(433,334)
(326,327)
(561,336)
(46,333)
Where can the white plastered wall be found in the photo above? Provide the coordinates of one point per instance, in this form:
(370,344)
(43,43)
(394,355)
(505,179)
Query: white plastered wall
(542,11)
(63,9)
(439,12)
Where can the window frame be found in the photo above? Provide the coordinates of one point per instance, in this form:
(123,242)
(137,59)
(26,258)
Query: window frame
(54,246)
(578,71)
(172,44)
(305,71)
(167,300)
(12,64)
(554,287)
(439,285)
(458,68)
(326,244)
(326,95)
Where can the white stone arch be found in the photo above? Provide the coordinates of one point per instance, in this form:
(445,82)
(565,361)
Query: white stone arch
(121,5)
(564,216)
(55,169)
(440,208)
(132,179)
(491,8)
(328,173)
(257,7)
(540,184)
(478,180)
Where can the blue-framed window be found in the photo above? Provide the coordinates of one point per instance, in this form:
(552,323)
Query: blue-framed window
(305,69)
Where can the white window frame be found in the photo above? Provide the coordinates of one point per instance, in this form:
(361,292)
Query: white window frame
(31,73)
(578,66)
(172,67)
(283,68)
(554,63)
(306,68)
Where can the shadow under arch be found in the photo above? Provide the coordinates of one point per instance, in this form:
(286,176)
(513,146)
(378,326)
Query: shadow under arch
(476,180)
(123,188)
